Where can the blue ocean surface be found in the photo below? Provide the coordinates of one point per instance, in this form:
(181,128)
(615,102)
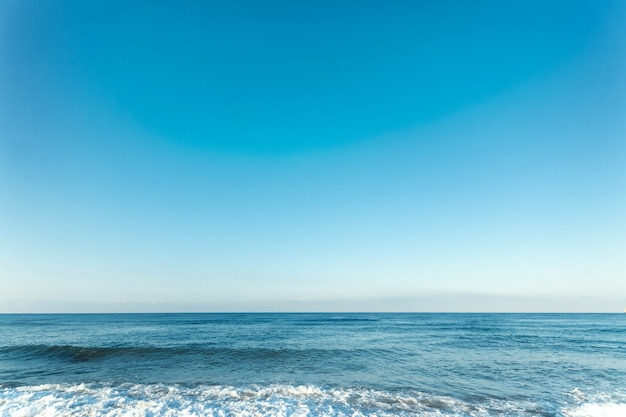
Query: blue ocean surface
(327,364)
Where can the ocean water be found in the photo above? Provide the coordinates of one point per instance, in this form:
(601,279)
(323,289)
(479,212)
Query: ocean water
(565,365)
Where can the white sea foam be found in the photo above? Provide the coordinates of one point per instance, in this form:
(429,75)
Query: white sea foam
(597,410)
(596,405)
(137,400)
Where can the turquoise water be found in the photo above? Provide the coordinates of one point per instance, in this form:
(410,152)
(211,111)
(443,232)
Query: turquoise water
(570,365)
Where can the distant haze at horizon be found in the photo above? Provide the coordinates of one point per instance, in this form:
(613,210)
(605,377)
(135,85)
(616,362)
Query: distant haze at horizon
(312,157)
(425,303)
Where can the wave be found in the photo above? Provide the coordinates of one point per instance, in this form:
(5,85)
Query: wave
(271,400)
(87,353)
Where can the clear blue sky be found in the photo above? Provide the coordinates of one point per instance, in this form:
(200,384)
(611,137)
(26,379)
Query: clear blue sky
(280,155)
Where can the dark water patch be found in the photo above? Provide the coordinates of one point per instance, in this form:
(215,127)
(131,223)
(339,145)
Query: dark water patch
(83,353)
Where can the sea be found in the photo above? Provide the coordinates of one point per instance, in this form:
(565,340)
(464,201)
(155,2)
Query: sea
(322,364)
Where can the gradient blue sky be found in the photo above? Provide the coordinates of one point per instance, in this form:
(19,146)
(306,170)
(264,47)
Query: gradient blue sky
(278,155)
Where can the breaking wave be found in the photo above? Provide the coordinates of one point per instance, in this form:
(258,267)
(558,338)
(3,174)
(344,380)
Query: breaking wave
(275,400)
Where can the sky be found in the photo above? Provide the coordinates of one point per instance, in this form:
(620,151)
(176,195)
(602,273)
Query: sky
(312,156)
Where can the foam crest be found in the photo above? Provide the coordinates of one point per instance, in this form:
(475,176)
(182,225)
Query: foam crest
(597,404)
(597,410)
(159,400)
